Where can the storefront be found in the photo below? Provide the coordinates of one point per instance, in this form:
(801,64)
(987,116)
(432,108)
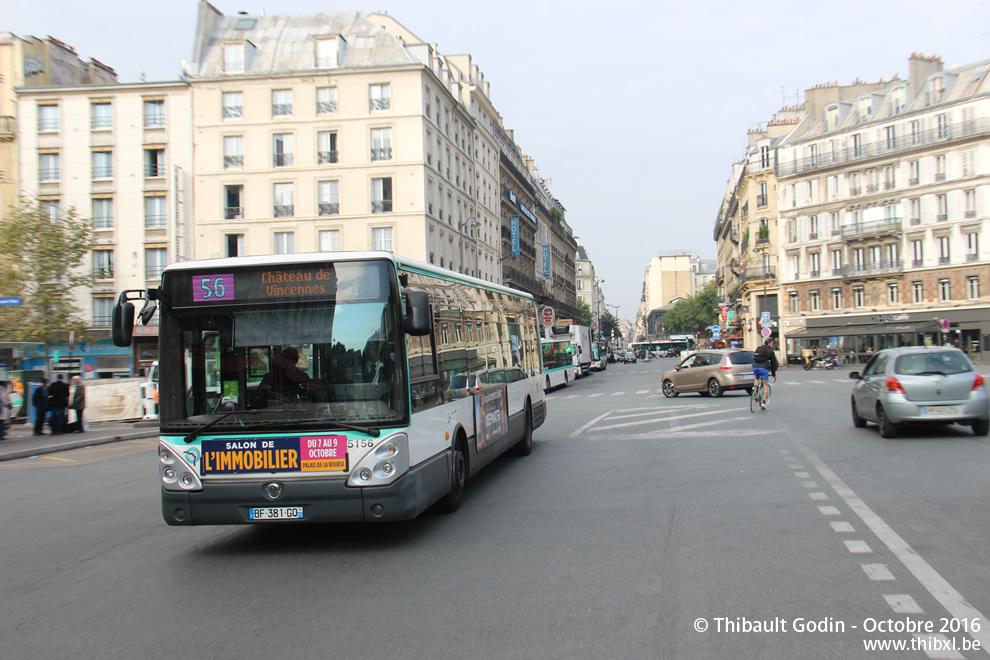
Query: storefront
(856,338)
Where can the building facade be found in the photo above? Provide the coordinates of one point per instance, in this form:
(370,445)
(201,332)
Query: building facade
(884,198)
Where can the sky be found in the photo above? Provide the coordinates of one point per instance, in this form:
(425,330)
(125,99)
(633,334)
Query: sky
(635,111)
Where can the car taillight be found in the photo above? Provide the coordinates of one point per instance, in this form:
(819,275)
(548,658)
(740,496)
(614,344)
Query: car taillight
(727,365)
(894,385)
(977,382)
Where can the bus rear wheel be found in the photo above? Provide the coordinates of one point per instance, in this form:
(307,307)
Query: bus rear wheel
(458,476)
(525,445)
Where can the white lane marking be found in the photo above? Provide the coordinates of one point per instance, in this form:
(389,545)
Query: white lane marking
(592,396)
(791,382)
(809,484)
(783,451)
(802,475)
(572,396)
(795,466)
(617,393)
(903,604)
(654,411)
(818,496)
(841,526)
(673,418)
(878,572)
(829,510)
(939,645)
(840,380)
(677,430)
(858,547)
(591,423)
(936,585)
(642,391)
(818,382)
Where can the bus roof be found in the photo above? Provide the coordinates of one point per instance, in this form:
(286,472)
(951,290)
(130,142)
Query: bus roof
(308,257)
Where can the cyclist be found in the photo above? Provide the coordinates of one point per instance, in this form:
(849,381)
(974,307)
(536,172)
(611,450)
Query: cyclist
(764,366)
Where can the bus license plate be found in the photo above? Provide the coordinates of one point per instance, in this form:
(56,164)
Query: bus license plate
(276,513)
(942,410)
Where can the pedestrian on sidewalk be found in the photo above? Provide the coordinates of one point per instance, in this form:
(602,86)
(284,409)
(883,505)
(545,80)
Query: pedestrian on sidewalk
(78,402)
(4,409)
(40,402)
(59,393)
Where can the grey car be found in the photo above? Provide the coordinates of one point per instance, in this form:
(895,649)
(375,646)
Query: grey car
(920,385)
(711,372)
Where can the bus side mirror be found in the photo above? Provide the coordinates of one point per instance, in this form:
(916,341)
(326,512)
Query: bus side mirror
(122,323)
(416,322)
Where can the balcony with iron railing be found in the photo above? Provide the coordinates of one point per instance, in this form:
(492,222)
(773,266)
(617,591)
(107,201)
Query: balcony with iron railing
(154,170)
(757,274)
(961,130)
(972,256)
(48,174)
(381,206)
(155,221)
(329,208)
(875,268)
(103,172)
(233,162)
(943,260)
(941,217)
(875,228)
(281,109)
(381,153)
(8,128)
(98,123)
(103,272)
(282,160)
(233,111)
(233,212)
(284,210)
(326,157)
(379,104)
(326,107)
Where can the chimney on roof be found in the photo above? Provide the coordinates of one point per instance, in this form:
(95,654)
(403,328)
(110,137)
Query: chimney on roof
(919,68)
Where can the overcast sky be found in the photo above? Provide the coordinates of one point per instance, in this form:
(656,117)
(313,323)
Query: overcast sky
(634,110)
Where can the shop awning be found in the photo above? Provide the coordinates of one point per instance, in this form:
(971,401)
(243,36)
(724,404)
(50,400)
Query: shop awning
(803,333)
(863,329)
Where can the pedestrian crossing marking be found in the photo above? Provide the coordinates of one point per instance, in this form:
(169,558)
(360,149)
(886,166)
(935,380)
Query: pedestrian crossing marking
(618,393)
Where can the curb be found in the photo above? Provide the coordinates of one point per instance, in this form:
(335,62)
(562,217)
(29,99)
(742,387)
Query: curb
(16,454)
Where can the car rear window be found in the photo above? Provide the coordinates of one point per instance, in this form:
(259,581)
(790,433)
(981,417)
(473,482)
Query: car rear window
(742,357)
(945,362)
(458,382)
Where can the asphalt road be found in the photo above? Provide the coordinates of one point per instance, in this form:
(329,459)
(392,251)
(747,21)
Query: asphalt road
(635,518)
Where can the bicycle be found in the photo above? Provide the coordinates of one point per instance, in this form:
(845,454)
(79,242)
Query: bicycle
(756,398)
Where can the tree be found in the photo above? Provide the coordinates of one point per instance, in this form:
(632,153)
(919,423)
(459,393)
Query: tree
(586,315)
(693,314)
(610,324)
(40,262)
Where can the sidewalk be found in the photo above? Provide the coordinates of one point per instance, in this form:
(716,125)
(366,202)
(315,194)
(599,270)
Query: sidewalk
(20,441)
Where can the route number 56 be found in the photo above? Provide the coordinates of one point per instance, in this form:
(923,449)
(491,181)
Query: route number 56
(213,287)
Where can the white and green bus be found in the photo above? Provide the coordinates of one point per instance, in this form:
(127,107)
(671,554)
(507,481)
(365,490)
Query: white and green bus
(319,387)
(558,362)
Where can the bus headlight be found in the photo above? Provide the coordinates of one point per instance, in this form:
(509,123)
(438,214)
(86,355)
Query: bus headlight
(383,464)
(176,473)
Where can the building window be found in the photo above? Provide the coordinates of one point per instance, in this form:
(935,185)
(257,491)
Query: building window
(836,221)
(917,292)
(51,209)
(379,97)
(233,152)
(942,123)
(154,211)
(102,312)
(814,265)
(890,178)
(836,298)
(890,134)
(102,115)
(914,173)
(943,250)
(154,161)
(48,167)
(283,194)
(816,300)
(915,131)
(917,253)
(915,206)
(326,147)
(972,246)
(48,117)
(761,195)
(381,195)
(154,114)
(102,164)
(235,245)
(942,204)
(836,256)
(329,240)
(103,264)
(282,150)
(285,242)
(793,301)
(381,144)
(233,105)
(328,201)
(857,145)
(764,156)
(326,100)
(944,290)
(282,103)
(812,227)
(893,294)
(156,260)
(233,202)
(326,53)
(381,238)
(859,297)
(233,58)
(969,199)
(968,161)
(940,171)
(892,254)
(103,213)
(972,287)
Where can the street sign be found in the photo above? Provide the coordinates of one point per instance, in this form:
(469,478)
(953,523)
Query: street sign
(724,314)
(548,315)
(945,324)
(10,301)
(716,329)
(765,316)
(766,332)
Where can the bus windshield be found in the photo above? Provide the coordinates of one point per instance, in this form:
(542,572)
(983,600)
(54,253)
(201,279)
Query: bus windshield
(332,357)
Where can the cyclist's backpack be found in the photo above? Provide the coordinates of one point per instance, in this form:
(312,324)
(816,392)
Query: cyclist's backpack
(762,354)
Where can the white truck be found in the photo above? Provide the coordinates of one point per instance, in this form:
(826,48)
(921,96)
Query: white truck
(581,341)
(149,392)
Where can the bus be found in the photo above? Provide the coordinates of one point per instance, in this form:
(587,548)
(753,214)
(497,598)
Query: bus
(675,344)
(558,361)
(318,387)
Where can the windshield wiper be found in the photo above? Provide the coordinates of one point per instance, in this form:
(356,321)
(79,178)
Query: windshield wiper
(930,373)
(254,411)
(374,433)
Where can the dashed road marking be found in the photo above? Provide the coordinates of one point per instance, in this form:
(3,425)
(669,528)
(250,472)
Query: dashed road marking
(817,382)
(592,396)
(818,496)
(617,393)
(642,391)
(841,526)
(903,604)
(858,547)
(829,510)
(809,484)
(878,572)
(802,475)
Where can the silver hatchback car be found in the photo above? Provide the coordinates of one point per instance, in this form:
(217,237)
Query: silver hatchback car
(920,385)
